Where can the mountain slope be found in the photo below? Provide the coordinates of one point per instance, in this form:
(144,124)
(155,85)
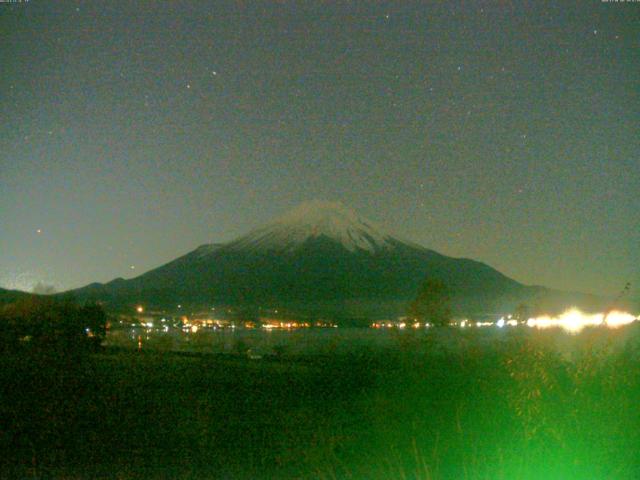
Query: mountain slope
(10,296)
(322,259)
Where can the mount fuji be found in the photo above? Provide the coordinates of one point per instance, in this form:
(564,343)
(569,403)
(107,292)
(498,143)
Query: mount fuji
(320,259)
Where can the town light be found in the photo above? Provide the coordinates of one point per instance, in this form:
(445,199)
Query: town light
(574,320)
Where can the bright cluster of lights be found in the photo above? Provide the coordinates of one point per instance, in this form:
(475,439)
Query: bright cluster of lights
(574,320)
(484,324)
(399,324)
(508,321)
(270,324)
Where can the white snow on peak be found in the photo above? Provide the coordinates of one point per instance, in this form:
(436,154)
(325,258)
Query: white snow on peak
(315,219)
(207,249)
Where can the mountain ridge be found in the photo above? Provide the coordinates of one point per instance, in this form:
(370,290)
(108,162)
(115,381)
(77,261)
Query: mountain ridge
(322,258)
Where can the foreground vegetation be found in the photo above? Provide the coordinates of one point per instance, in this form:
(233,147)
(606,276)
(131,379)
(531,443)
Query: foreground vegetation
(40,324)
(518,410)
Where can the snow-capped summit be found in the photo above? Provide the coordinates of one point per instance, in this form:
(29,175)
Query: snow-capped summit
(320,260)
(317,219)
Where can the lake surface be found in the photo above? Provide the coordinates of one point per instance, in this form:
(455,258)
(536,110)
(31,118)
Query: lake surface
(338,341)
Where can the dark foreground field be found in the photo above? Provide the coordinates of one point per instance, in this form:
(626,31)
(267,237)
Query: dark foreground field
(519,410)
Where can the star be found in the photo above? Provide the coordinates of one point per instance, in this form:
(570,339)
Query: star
(132,267)
(188,85)
(39,231)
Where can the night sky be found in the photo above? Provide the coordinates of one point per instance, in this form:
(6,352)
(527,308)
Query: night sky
(134,131)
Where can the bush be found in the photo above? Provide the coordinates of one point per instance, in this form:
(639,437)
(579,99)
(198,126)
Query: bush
(49,324)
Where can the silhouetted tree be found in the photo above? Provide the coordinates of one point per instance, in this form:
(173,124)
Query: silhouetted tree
(47,323)
(522,312)
(432,303)
(94,320)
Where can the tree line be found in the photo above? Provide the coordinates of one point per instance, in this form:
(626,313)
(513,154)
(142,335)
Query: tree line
(37,322)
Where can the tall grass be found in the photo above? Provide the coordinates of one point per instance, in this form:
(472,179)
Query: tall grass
(521,409)
(443,405)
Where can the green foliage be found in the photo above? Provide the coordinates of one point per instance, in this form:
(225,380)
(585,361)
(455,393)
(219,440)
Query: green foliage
(512,408)
(45,323)
(576,412)
(536,374)
(432,303)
